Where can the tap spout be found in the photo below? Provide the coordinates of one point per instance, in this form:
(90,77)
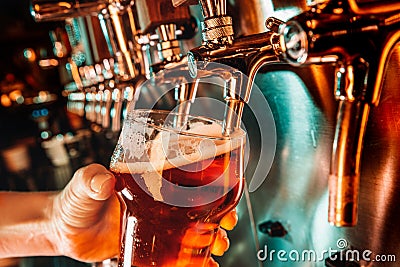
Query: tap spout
(246,55)
(352,117)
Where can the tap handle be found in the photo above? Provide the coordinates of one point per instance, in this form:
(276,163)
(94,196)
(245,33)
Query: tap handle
(359,49)
(355,101)
(217,27)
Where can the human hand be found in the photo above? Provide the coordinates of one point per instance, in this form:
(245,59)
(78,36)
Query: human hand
(221,244)
(85,218)
(202,236)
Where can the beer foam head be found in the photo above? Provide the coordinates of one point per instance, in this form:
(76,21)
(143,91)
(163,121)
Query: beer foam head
(170,149)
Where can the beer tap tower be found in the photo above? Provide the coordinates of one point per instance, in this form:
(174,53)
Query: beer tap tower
(116,21)
(358,41)
(111,13)
(129,46)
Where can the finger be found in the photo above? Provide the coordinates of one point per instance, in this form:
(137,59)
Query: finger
(221,243)
(79,203)
(230,220)
(199,236)
(212,263)
(93,181)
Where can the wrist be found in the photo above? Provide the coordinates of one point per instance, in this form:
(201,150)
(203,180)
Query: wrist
(52,235)
(28,231)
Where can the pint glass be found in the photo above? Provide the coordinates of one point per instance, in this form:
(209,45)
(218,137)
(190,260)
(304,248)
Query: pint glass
(175,182)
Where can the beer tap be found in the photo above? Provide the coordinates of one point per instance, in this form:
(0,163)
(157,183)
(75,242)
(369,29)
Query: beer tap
(171,57)
(358,40)
(245,54)
(167,26)
(43,10)
(118,24)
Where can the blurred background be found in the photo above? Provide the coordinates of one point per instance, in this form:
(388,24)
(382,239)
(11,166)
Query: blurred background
(34,124)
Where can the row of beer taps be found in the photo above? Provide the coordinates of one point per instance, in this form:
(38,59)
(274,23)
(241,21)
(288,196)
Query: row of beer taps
(357,39)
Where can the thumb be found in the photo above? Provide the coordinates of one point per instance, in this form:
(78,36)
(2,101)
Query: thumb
(81,201)
(93,182)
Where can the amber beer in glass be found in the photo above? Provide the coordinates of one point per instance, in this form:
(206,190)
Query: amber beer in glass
(175,183)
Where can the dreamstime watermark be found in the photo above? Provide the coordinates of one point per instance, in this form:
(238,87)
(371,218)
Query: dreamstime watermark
(343,253)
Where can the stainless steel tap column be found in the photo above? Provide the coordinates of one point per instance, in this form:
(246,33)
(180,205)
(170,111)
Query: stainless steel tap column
(359,43)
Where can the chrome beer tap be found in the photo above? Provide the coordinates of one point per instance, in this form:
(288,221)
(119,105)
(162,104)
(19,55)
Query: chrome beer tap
(170,54)
(120,23)
(358,40)
(166,26)
(114,31)
(121,28)
(117,21)
(245,54)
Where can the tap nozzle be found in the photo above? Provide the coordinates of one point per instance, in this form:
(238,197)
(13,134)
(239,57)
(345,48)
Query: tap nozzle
(185,94)
(244,57)
(352,117)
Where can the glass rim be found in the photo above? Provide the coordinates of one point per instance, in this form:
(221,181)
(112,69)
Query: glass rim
(239,133)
